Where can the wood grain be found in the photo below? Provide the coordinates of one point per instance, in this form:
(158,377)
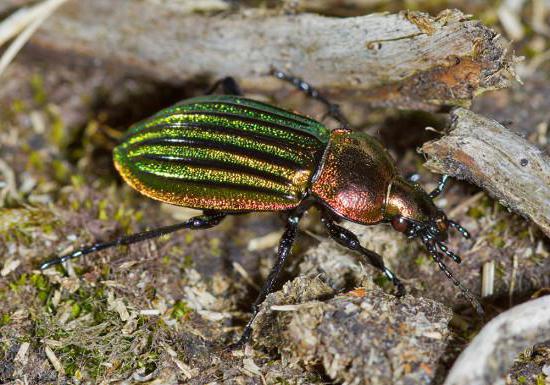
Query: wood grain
(407,59)
(482,151)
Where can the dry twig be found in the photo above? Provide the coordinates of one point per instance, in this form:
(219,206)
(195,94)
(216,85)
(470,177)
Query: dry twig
(408,59)
(489,155)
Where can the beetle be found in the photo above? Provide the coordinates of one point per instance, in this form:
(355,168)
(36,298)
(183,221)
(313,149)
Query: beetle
(228,155)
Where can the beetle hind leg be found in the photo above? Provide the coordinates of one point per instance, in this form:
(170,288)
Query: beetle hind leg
(333,109)
(205,221)
(349,240)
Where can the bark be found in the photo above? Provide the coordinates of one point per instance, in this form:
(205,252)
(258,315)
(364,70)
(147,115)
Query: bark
(489,155)
(408,59)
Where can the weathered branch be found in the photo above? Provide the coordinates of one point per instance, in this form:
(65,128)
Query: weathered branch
(492,352)
(408,59)
(489,155)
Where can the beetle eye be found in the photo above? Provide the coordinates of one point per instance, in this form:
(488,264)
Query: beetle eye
(399,224)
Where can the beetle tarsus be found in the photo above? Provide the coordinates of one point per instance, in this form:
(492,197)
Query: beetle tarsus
(285,245)
(440,186)
(204,221)
(460,229)
(333,109)
(349,240)
(448,252)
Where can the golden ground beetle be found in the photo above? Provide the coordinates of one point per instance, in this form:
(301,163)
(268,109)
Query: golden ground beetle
(228,155)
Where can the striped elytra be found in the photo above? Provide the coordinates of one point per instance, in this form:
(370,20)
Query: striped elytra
(223,152)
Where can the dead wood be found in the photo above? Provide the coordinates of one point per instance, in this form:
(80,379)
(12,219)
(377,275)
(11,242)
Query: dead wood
(408,59)
(492,352)
(482,151)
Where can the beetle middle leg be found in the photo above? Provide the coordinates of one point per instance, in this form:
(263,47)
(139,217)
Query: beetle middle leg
(333,109)
(285,245)
(347,239)
(229,86)
(205,221)
(440,186)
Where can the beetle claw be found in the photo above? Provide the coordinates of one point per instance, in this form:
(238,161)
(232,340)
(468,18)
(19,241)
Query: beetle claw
(448,252)
(460,229)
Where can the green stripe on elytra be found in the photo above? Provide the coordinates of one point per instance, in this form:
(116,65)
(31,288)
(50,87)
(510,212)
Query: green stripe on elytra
(217,159)
(215,190)
(218,133)
(253,109)
(222,135)
(239,122)
(251,150)
(183,171)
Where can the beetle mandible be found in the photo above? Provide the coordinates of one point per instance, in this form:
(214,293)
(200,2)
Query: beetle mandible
(228,155)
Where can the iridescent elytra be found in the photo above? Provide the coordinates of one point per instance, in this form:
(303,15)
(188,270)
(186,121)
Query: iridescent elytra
(229,155)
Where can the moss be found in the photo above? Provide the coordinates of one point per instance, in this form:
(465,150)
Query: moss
(35,161)
(187,262)
(421,260)
(476,212)
(500,270)
(5,319)
(189,237)
(72,361)
(180,310)
(215,247)
(102,210)
(75,310)
(382,281)
(18,106)
(481,209)
(61,171)
(59,135)
(20,282)
(42,285)
(497,241)
(38,90)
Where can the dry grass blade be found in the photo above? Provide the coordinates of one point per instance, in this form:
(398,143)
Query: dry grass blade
(23,23)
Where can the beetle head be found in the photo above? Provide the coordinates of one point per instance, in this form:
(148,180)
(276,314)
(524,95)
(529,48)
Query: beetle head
(412,211)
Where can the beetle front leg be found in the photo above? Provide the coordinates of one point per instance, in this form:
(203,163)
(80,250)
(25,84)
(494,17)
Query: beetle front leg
(285,245)
(204,221)
(333,108)
(347,239)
